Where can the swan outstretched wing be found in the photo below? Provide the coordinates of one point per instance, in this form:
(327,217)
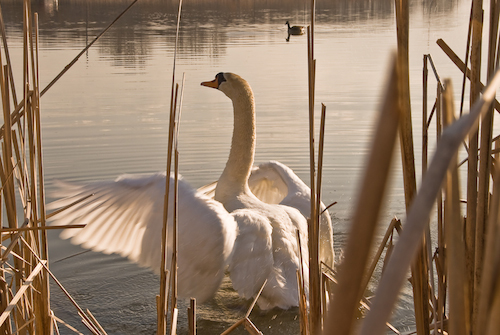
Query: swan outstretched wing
(274,182)
(125,216)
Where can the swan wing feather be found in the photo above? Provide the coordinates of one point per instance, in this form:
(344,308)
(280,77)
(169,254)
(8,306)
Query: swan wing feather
(274,182)
(125,216)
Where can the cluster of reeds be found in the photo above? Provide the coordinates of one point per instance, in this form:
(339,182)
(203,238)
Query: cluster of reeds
(455,287)
(24,288)
(24,279)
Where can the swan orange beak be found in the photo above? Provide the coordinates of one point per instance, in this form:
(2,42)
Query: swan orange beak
(214,83)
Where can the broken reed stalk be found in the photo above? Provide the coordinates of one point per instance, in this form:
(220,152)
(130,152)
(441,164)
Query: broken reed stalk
(408,245)
(343,308)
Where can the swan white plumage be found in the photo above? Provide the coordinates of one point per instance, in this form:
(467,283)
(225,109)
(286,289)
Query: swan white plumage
(257,241)
(275,183)
(266,246)
(125,216)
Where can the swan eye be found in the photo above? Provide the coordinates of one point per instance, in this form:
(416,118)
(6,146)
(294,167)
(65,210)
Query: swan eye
(220,78)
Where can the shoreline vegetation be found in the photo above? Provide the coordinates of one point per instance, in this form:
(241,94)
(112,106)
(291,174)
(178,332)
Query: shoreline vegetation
(454,277)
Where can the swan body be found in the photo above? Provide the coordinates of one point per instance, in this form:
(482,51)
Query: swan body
(125,216)
(275,183)
(295,30)
(266,246)
(237,230)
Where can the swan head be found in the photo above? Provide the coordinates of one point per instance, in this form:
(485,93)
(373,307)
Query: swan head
(231,84)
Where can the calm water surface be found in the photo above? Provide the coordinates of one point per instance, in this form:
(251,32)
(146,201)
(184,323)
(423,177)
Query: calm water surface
(108,115)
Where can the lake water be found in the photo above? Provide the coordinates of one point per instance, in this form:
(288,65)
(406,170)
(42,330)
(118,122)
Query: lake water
(108,115)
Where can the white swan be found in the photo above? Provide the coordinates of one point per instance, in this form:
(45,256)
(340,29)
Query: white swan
(125,216)
(256,240)
(266,245)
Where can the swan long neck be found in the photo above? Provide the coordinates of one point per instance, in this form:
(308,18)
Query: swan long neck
(234,178)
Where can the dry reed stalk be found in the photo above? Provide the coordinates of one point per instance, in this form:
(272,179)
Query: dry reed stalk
(162,326)
(342,310)
(7,56)
(425,140)
(490,290)
(192,317)
(320,175)
(491,263)
(93,326)
(485,163)
(251,328)
(173,325)
(441,257)
(461,66)
(56,319)
(408,243)
(303,313)
(425,128)
(313,226)
(9,188)
(245,320)
(466,59)
(395,222)
(233,327)
(419,266)
(175,237)
(20,292)
(459,299)
(330,278)
(94,320)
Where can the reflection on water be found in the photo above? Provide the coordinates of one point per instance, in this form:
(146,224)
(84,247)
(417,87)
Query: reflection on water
(107,115)
(203,21)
